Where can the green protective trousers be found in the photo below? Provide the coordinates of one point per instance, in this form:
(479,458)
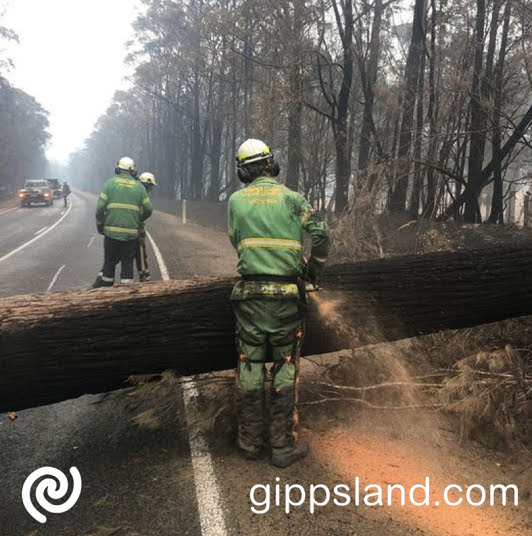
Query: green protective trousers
(268,327)
(263,324)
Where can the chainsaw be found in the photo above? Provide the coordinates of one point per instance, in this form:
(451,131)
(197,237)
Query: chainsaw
(309,286)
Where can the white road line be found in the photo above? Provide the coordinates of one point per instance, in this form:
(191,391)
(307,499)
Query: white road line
(159,257)
(6,210)
(91,241)
(41,230)
(52,283)
(207,493)
(26,244)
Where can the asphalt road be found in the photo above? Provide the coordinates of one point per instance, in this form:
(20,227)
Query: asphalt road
(127,472)
(175,480)
(51,248)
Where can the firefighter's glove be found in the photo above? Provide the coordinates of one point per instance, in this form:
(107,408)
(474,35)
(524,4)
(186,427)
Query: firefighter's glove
(99,227)
(313,271)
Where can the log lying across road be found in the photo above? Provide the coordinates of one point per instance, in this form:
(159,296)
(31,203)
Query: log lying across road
(61,345)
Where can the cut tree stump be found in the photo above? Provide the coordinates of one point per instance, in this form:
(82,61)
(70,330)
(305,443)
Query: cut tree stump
(61,345)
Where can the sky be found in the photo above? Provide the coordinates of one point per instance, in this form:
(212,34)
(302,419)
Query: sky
(70,57)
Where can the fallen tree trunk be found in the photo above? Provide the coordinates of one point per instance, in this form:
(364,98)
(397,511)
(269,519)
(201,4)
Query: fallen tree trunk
(61,345)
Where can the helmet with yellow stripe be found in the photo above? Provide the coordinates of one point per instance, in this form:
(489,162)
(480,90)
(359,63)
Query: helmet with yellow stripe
(148,178)
(253,159)
(126,165)
(252,151)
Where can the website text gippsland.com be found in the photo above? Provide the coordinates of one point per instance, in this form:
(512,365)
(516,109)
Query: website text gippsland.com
(265,496)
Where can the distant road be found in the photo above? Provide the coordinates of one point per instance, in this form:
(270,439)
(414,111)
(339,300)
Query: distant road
(50,248)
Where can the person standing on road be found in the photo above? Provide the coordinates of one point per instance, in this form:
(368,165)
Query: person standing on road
(147,180)
(266,221)
(122,205)
(65,192)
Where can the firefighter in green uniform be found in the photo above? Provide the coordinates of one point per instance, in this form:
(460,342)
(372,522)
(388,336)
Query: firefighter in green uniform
(122,206)
(266,222)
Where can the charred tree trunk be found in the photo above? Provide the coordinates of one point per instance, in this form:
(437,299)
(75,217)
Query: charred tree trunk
(430,205)
(417,186)
(487,172)
(480,94)
(368,75)
(295,98)
(62,345)
(413,63)
(341,121)
(497,208)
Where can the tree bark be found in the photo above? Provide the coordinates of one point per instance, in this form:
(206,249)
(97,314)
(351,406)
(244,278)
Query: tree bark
(497,208)
(368,75)
(62,345)
(340,123)
(417,186)
(295,97)
(480,94)
(430,205)
(413,62)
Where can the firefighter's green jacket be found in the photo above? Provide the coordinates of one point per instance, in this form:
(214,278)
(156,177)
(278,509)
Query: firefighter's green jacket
(122,206)
(266,222)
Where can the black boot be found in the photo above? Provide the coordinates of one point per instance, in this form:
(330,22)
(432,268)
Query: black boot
(286,449)
(98,282)
(250,417)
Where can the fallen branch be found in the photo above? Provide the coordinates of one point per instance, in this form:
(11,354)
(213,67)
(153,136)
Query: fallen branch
(377,386)
(369,404)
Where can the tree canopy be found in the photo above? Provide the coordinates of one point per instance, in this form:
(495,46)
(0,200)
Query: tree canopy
(419,107)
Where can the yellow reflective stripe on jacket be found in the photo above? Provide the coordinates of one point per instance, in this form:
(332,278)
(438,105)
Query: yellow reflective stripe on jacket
(126,182)
(121,230)
(103,196)
(125,206)
(146,200)
(276,243)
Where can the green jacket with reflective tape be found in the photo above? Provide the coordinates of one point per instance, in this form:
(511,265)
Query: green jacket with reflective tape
(122,206)
(266,222)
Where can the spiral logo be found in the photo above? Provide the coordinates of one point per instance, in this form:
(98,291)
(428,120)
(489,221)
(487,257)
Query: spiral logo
(55,485)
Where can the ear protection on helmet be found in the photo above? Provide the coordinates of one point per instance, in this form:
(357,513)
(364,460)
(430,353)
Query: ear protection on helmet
(243,174)
(132,172)
(275,169)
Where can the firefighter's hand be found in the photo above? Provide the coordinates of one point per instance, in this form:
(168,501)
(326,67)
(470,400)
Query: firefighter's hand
(99,227)
(312,271)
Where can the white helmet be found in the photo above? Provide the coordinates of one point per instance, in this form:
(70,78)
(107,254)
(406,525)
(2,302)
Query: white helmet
(252,151)
(148,178)
(126,164)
